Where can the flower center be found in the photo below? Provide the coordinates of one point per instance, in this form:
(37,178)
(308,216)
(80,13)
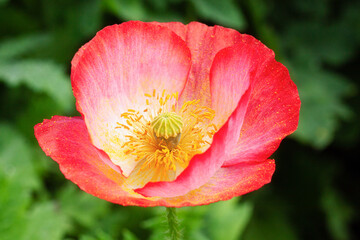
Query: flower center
(167,124)
(164,137)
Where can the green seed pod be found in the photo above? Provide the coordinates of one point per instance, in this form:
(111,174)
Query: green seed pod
(167,125)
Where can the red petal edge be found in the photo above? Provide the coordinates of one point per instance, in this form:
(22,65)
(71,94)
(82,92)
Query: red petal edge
(202,167)
(204,43)
(65,140)
(233,70)
(272,114)
(237,180)
(111,73)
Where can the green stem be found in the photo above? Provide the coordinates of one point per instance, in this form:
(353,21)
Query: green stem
(174,231)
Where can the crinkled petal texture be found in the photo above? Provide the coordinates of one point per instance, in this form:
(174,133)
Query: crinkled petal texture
(204,43)
(67,141)
(112,72)
(255,102)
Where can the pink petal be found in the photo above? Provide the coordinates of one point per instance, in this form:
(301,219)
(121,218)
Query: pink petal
(272,114)
(204,42)
(67,142)
(113,71)
(202,167)
(229,182)
(233,69)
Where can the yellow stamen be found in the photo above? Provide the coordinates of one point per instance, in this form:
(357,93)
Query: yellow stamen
(167,141)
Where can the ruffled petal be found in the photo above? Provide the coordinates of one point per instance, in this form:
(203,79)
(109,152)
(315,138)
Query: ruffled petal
(255,101)
(204,43)
(233,69)
(202,167)
(229,182)
(67,142)
(272,114)
(112,72)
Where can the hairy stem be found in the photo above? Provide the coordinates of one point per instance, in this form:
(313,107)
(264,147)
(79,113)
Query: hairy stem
(174,231)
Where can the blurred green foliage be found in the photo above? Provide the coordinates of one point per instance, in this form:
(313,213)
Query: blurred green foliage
(314,193)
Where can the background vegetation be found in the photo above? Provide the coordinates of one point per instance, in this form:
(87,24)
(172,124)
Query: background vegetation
(315,190)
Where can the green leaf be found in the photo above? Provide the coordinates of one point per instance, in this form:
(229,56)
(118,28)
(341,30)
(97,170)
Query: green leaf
(161,5)
(34,111)
(228,218)
(77,18)
(82,207)
(157,224)
(192,222)
(16,47)
(339,214)
(333,43)
(224,12)
(127,9)
(14,200)
(16,158)
(85,16)
(16,21)
(99,235)
(127,235)
(270,222)
(322,105)
(3,2)
(40,76)
(259,11)
(45,222)
(17,180)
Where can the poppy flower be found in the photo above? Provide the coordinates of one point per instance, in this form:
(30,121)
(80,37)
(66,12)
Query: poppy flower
(172,115)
